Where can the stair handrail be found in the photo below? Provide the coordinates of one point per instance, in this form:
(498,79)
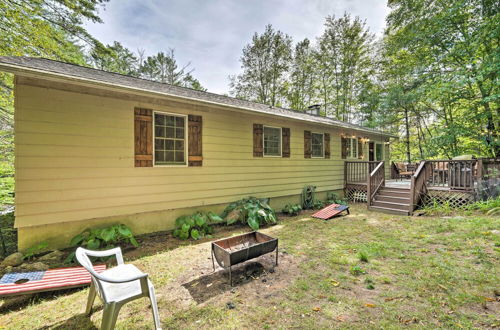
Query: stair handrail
(418,185)
(376,180)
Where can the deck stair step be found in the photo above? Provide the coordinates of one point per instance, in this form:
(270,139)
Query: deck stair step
(389,210)
(391,205)
(393,199)
(385,192)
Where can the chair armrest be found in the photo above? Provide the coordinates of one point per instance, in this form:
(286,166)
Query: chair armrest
(116,251)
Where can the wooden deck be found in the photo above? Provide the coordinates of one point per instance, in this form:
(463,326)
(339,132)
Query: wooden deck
(456,182)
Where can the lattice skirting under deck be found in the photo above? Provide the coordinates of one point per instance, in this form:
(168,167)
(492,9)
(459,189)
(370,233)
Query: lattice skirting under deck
(455,199)
(355,193)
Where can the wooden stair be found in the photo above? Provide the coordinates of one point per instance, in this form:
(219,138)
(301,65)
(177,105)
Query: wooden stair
(392,200)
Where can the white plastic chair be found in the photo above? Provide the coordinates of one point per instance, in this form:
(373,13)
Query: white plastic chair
(116,286)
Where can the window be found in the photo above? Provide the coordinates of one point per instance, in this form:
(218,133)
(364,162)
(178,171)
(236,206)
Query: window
(352,148)
(272,141)
(379,153)
(318,150)
(169,139)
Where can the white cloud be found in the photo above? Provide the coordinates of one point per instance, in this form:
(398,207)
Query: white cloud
(211,34)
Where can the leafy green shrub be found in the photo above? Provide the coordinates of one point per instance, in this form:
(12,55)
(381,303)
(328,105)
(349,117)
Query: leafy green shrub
(490,207)
(35,249)
(436,208)
(292,209)
(318,204)
(251,211)
(102,238)
(333,198)
(484,206)
(196,226)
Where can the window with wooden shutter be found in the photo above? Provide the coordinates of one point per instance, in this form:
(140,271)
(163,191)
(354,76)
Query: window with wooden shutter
(170,132)
(195,154)
(285,153)
(258,149)
(327,145)
(360,148)
(143,137)
(307,144)
(343,143)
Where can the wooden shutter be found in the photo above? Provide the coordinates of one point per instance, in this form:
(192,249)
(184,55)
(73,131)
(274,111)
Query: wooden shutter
(143,137)
(343,147)
(258,140)
(285,142)
(360,149)
(307,144)
(195,154)
(327,145)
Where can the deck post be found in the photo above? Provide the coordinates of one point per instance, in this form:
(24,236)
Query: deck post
(368,188)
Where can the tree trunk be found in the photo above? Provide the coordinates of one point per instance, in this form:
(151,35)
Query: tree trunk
(407,126)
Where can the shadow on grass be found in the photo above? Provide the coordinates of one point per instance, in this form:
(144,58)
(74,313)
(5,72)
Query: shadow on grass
(205,287)
(10,304)
(80,321)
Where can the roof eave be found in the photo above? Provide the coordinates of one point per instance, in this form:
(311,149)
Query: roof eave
(32,72)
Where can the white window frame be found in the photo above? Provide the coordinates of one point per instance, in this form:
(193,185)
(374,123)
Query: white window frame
(281,142)
(322,144)
(186,142)
(375,151)
(351,156)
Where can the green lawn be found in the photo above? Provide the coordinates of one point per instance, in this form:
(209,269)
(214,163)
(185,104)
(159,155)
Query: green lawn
(366,270)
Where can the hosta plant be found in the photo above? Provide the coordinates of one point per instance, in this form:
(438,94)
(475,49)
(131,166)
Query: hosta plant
(196,226)
(292,209)
(252,211)
(102,238)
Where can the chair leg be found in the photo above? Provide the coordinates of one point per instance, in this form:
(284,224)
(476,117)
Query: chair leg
(109,316)
(91,299)
(154,307)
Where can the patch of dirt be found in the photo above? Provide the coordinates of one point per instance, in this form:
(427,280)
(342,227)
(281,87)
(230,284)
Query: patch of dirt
(253,280)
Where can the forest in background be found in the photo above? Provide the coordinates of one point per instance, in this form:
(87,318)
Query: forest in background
(432,78)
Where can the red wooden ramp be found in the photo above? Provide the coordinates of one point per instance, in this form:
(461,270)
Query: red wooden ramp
(52,280)
(330,211)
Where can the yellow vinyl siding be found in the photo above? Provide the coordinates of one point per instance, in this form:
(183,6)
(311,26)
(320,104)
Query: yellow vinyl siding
(75,160)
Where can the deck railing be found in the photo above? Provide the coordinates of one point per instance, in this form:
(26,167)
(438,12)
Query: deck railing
(376,180)
(452,174)
(357,172)
(418,185)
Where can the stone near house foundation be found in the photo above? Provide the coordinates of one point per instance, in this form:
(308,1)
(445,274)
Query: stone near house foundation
(15,259)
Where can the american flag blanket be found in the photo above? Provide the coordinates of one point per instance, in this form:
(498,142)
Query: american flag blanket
(13,284)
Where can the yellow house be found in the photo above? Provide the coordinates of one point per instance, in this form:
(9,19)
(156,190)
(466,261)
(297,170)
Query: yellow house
(94,148)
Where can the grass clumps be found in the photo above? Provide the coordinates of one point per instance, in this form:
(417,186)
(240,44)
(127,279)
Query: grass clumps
(363,256)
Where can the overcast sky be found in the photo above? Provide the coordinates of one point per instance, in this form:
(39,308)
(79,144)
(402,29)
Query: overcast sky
(211,33)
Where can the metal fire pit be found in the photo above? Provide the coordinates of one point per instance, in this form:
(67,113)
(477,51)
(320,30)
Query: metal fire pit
(234,250)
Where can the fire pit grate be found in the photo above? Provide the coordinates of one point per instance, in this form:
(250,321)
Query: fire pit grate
(234,250)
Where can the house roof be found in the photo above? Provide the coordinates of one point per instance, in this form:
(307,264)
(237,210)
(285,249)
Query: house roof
(55,69)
